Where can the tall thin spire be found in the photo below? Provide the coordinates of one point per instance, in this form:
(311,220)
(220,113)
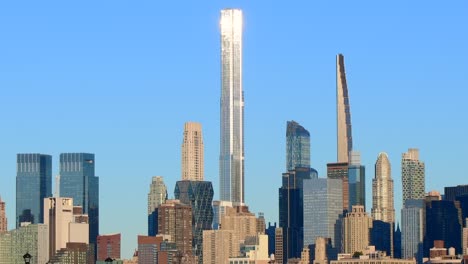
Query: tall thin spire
(344,135)
(231,158)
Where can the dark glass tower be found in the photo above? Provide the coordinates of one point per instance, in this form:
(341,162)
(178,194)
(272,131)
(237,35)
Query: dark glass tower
(397,242)
(78,181)
(356,181)
(443,222)
(297,146)
(199,195)
(381,236)
(291,212)
(33,184)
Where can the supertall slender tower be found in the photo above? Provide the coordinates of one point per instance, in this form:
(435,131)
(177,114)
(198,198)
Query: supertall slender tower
(382,191)
(231,158)
(345,139)
(192,152)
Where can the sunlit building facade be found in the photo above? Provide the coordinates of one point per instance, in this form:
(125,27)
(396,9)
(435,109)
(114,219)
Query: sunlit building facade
(192,152)
(297,146)
(231,159)
(412,176)
(344,135)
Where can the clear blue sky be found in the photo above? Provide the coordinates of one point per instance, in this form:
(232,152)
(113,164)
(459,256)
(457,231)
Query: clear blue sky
(120,78)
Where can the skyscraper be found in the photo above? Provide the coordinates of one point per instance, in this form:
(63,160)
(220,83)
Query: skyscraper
(156,196)
(344,135)
(383,210)
(175,220)
(33,184)
(357,226)
(340,171)
(382,190)
(192,152)
(323,209)
(78,181)
(413,176)
(3,219)
(297,146)
(356,181)
(231,158)
(199,196)
(412,230)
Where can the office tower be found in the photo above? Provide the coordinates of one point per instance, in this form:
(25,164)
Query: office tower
(63,229)
(357,226)
(192,152)
(443,222)
(356,181)
(108,246)
(291,211)
(175,220)
(451,193)
(198,195)
(270,231)
(382,191)
(78,181)
(397,243)
(323,210)
(412,176)
(412,230)
(383,210)
(279,235)
(33,184)
(219,209)
(156,196)
(297,146)
(344,139)
(3,219)
(340,171)
(219,245)
(231,158)
(28,238)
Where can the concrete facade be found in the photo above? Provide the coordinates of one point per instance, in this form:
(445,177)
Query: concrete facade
(356,230)
(192,152)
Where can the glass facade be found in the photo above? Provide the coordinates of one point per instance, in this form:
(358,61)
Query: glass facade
(78,181)
(412,230)
(33,184)
(323,210)
(297,146)
(199,195)
(357,185)
(231,158)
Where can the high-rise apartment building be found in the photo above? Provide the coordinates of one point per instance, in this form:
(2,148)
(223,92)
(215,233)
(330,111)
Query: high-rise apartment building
(108,246)
(382,191)
(297,146)
(465,238)
(383,210)
(356,181)
(451,193)
(279,258)
(340,171)
(175,220)
(357,225)
(219,210)
(148,247)
(63,228)
(156,196)
(231,158)
(344,135)
(412,230)
(412,176)
(30,238)
(198,195)
(192,152)
(33,184)
(323,210)
(219,246)
(3,219)
(79,182)
(240,220)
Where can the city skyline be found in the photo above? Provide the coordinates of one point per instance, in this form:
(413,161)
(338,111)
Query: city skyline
(106,134)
